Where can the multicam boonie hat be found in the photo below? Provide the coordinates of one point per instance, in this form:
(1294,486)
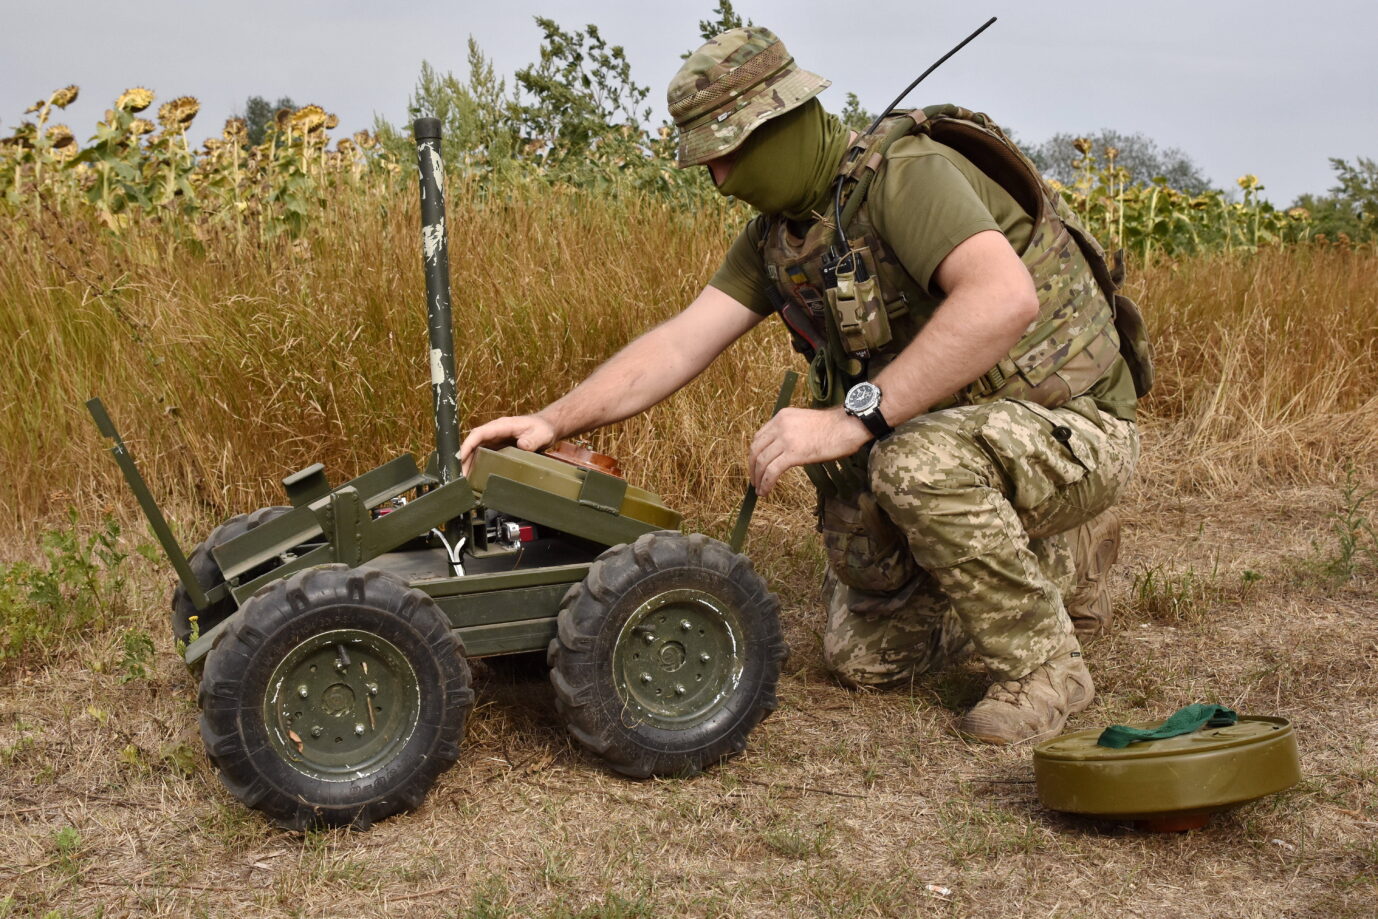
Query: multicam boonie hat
(729,87)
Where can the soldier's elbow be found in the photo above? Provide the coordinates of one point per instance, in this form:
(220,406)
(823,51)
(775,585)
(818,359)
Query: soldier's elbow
(1023,305)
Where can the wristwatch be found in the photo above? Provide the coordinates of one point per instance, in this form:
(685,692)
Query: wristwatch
(863,401)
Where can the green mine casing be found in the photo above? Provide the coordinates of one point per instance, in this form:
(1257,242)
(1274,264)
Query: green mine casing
(436,259)
(1193,774)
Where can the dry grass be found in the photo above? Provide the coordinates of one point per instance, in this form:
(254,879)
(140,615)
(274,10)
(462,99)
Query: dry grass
(228,371)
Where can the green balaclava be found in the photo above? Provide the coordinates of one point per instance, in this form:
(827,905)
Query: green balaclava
(787,165)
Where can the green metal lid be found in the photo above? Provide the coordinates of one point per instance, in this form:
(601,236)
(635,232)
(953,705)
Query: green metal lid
(1207,770)
(562,480)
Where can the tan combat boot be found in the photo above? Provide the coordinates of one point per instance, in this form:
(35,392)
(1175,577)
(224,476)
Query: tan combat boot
(1095,546)
(1033,708)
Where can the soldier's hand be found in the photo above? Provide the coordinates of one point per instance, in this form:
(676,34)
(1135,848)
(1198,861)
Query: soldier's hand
(796,436)
(529,432)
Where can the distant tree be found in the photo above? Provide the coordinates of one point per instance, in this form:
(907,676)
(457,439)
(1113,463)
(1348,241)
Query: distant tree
(1351,207)
(258,111)
(854,116)
(477,117)
(728,18)
(581,90)
(1137,153)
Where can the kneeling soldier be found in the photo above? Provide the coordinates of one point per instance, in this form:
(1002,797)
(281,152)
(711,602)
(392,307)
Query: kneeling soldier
(973,415)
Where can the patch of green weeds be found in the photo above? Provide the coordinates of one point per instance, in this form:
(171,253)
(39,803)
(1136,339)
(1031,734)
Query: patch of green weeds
(67,846)
(77,588)
(138,652)
(798,842)
(323,862)
(491,901)
(555,867)
(179,759)
(426,867)
(846,892)
(1185,595)
(1355,538)
(234,826)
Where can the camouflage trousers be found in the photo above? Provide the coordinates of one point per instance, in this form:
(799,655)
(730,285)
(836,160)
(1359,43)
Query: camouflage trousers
(982,495)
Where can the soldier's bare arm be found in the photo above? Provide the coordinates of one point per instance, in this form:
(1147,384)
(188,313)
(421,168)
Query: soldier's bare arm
(990,302)
(647,370)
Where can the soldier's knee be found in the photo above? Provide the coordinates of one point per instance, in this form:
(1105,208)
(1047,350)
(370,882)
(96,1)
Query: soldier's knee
(858,669)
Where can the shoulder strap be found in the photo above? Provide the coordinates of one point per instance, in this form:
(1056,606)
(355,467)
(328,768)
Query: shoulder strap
(862,162)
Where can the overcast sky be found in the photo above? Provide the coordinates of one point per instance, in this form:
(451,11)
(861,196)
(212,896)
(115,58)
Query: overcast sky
(1266,87)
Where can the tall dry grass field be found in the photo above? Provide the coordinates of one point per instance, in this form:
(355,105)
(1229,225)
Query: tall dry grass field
(230,369)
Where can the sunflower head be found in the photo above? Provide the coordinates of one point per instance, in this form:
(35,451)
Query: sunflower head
(236,131)
(332,121)
(134,100)
(178,114)
(59,135)
(308,118)
(140,126)
(282,118)
(1082,145)
(65,96)
(365,140)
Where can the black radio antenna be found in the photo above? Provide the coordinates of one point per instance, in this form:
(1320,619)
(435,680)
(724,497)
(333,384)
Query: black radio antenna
(837,187)
(942,60)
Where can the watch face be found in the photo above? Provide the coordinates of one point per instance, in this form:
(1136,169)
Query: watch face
(861,398)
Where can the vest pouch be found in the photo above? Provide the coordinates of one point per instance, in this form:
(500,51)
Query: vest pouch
(1134,346)
(858,306)
(865,549)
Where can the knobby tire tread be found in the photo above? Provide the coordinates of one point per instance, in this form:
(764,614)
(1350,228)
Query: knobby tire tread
(582,682)
(289,797)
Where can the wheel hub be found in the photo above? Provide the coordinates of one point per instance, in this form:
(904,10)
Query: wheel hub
(676,658)
(338,700)
(341,704)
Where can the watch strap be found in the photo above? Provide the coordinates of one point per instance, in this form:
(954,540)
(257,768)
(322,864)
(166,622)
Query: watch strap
(876,423)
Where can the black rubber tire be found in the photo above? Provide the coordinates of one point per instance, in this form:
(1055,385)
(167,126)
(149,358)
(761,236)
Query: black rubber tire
(279,619)
(207,572)
(592,619)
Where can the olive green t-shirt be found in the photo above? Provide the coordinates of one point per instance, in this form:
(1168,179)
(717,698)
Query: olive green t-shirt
(925,202)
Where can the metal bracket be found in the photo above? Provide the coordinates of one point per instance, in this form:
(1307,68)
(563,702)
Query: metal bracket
(156,520)
(748,508)
(603,492)
(307,485)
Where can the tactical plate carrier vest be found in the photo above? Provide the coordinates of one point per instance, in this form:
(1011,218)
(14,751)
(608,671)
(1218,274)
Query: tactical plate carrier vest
(849,308)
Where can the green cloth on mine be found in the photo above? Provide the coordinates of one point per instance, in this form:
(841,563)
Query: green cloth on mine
(1183,721)
(926,201)
(787,164)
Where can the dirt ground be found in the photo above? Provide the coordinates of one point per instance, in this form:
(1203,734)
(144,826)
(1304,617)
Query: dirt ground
(845,804)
